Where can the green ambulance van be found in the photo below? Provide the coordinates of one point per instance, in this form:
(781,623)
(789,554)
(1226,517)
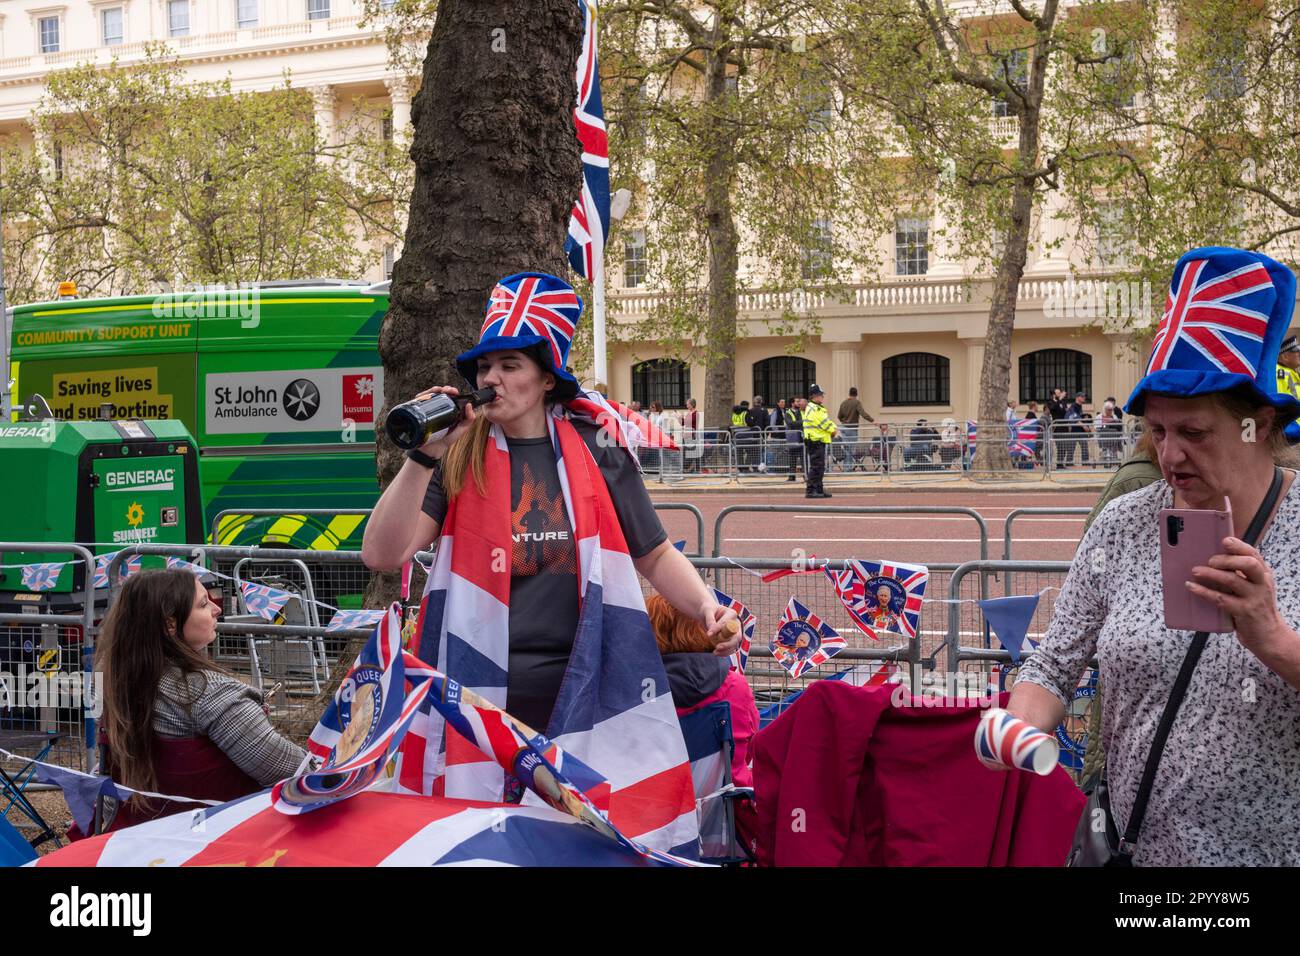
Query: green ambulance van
(279,383)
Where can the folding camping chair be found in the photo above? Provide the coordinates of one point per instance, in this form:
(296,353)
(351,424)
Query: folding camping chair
(12,788)
(14,848)
(709,745)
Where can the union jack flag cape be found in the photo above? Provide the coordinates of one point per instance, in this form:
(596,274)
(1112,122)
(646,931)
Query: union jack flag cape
(803,640)
(859,585)
(614,712)
(589,221)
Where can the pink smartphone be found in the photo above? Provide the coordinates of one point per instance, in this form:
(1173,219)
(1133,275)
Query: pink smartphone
(1189,538)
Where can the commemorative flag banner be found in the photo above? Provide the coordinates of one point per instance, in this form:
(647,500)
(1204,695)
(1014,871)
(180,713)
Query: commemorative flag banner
(803,640)
(197,570)
(42,577)
(882,596)
(264,601)
(1024,438)
(589,220)
(747,624)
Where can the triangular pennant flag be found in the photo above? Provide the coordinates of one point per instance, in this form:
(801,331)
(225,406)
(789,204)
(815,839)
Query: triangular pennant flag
(812,568)
(680,545)
(1009,617)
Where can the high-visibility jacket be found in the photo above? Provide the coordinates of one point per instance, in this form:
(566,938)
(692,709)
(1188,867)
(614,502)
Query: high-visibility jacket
(1288,382)
(737,419)
(817,424)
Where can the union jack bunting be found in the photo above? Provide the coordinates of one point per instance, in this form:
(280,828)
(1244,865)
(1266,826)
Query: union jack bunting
(266,602)
(42,577)
(881,596)
(972,437)
(197,570)
(1215,317)
(533,304)
(589,221)
(747,623)
(129,566)
(803,640)
(354,620)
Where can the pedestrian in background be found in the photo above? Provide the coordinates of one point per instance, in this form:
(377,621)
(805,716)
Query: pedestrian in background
(1057,409)
(794,434)
(850,413)
(691,438)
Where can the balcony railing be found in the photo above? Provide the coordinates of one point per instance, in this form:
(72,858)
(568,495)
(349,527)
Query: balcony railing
(307,30)
(881,296)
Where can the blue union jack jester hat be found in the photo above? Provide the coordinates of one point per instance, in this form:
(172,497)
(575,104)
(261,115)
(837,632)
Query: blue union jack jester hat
(1225,316)
(525,310)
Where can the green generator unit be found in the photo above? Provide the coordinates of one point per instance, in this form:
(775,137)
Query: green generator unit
(105,485)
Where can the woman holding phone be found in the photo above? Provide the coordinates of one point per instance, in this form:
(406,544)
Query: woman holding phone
(1226,785)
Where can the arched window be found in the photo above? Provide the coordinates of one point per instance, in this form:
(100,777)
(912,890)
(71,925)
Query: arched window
(666,381)
(785,376)
(914,378)
(1046,369)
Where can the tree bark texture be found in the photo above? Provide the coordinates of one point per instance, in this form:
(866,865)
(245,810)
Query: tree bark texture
(498,167)
(723,244)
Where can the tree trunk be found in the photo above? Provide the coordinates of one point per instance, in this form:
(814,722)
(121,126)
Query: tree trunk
(992,453)
(498,167)
(723,242)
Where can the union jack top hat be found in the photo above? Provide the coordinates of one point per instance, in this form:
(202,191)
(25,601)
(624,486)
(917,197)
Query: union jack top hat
(524,310)
(1225,317)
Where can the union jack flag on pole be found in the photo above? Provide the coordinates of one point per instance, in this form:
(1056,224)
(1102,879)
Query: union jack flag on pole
(747,623)
(589,221)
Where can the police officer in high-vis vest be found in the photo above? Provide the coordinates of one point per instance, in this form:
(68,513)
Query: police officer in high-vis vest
(818,430)
(1288,368)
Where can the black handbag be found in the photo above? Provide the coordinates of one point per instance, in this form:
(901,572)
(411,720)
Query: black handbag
(1096,841)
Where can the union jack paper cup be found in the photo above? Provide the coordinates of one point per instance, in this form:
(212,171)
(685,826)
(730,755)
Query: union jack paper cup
(1004,742)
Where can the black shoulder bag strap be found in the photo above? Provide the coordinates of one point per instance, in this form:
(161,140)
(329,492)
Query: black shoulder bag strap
(1128,843)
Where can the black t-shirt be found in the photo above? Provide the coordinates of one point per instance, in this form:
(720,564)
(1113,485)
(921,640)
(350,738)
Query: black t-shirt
(543,578)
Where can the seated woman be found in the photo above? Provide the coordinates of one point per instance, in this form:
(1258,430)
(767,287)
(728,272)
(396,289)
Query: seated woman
(174,722)
(1227,785)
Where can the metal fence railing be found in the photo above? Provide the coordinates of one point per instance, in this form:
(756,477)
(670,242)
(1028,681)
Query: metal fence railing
(911,510)
(1038,513)
(47,651)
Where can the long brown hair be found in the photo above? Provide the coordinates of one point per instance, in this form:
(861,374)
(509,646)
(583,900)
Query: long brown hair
(135,650)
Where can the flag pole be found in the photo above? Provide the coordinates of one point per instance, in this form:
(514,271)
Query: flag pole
(598,321)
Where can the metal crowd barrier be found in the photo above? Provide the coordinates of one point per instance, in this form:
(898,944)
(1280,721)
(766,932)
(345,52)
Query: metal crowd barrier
(851,510)
(47,661)
(966,620)
(695,513)
(1031,512)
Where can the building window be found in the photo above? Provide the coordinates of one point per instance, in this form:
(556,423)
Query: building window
(1113,240)
(1013,67)
(817,102)
(390,257)
(1227,72)
(110,22)
(178,18)
(785,376)
(914,378)
(634,259)
(318,9)
(816,255)
(48,27)
(911,241)
(58,161)
(1046,369)
(245,14)
(1119,74)
(386,127)
(666,381)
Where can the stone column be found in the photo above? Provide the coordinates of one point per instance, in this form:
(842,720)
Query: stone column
(966,407)
(1053,254)
(323,101)
(846,367)
(399,93)
(1126,366)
